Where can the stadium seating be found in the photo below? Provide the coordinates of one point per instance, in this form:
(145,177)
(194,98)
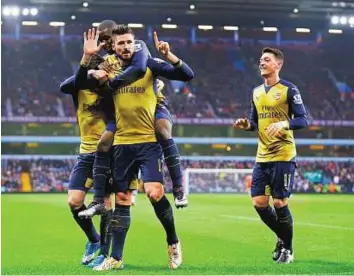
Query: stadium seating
(225,76)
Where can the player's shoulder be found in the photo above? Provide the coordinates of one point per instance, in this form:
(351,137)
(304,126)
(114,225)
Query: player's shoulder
(139,44)
(258,88)
(289,85)
(293,92)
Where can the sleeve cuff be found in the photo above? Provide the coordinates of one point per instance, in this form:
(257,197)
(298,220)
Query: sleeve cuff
(178,64)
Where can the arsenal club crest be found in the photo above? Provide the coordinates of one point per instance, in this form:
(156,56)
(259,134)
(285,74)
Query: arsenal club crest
(277,96)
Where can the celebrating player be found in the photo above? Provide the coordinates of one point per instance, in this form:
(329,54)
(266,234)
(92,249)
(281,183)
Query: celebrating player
(94,109)
(95,115)
(163,119)
(135,145)
(276,110)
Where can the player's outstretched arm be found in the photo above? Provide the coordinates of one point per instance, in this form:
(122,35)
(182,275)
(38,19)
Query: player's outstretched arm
(68,86)
(174,69)
(250,124)
(136,68)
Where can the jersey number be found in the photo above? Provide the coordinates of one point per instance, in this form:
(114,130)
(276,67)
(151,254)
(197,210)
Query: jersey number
(287,179)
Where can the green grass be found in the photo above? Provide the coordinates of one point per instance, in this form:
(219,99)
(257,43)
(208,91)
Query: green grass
(220,234)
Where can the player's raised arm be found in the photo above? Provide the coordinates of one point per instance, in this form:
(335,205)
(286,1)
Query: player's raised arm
(174,69)
(91,48)
(136,68)
(250,124)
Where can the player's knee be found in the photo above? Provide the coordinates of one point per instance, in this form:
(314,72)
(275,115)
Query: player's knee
(123,199)
(260,202)
(75,203)
(155,193)
(279,203)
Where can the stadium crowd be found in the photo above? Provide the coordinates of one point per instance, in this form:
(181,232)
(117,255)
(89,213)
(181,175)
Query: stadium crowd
(47,175)
(225,77)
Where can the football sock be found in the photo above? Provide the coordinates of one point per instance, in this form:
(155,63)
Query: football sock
(172,159)
(163,211)
(269,217)
(100,175)
(285,226)
(120,227)
(106,232)
(86,225)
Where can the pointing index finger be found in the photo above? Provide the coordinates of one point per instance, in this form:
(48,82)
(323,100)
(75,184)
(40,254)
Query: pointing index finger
(156,40)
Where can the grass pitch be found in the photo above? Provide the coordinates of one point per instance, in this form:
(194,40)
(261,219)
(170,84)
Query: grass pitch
(220,234)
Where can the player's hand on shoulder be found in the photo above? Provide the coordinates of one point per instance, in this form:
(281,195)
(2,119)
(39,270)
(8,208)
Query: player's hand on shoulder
(242,123)
(99,75)
(162,47)
(90,42)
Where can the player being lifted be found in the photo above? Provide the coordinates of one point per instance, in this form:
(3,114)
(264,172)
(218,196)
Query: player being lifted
(95,113)
(163,122)
(135,145)
(276,110)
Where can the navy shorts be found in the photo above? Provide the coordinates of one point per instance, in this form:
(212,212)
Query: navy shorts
(128,159)
(162,112)
(81,177)
(274,179)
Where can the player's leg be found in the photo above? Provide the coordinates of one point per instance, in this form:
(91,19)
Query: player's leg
(282,182)
(163,129)
(80,182)
(151,171)
(260,192)
(105,228)
(120,227)
(122,160)
(101,168)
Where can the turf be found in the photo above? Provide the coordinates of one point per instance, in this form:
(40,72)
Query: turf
(220,234)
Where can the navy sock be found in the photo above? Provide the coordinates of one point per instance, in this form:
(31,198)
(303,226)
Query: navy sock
(269,217)
(163,211)
(86,225)
(285,226)
(120,227)
(171,154)
(106,232)
(100,175)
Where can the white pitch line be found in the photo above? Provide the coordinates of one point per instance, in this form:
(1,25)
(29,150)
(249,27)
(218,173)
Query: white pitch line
(295,222)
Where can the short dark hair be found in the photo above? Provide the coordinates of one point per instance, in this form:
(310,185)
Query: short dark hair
(276,52)
(122,29)
(107,24)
